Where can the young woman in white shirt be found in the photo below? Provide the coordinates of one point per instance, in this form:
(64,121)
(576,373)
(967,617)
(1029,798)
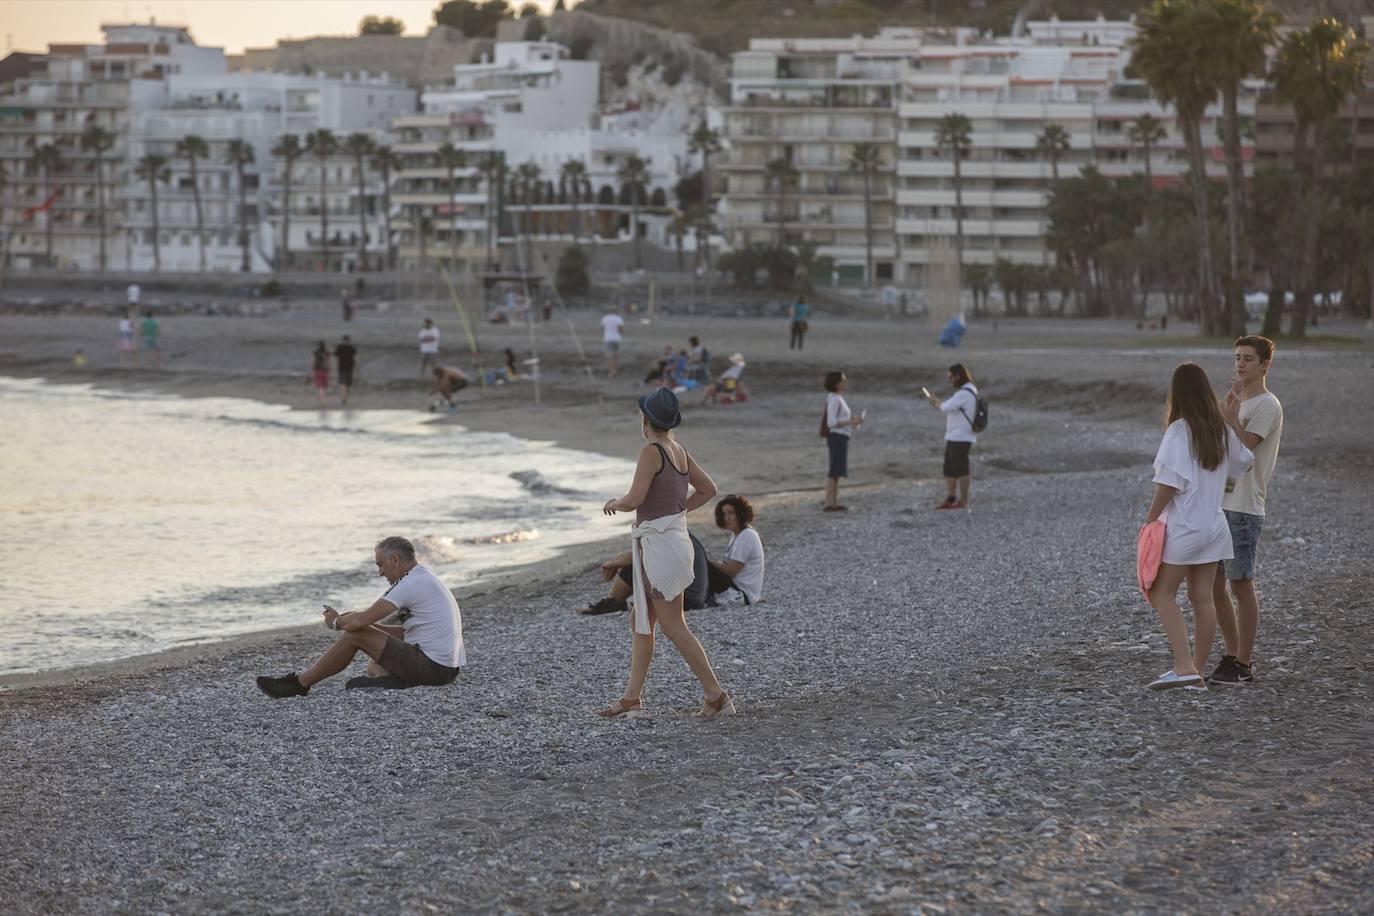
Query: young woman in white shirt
(841,425)
(742,569)
(1197,455)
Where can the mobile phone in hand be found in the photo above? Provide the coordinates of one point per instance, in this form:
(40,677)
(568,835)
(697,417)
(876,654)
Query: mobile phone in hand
(925,391)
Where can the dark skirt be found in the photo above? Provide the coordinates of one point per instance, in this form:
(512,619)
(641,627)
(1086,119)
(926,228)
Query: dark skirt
(838,445)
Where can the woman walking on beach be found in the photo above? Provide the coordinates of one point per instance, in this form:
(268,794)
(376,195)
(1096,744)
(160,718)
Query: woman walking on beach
(661,554)
(319,370)
(1197,455)
(839,425)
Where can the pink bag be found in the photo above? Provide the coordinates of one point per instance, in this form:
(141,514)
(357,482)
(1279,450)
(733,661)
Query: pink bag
(1149,553)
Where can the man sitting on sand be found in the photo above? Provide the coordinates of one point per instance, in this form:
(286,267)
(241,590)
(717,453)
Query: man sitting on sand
(425,650)
(616,571)
(448,381)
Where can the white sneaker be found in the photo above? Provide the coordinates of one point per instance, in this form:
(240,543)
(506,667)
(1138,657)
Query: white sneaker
(1169,680)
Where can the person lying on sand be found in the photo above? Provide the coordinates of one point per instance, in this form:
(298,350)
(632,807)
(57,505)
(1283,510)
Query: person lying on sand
(616,571)
(425,650)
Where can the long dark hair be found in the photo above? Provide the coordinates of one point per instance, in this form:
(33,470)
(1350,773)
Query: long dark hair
(1192,400)
(961,375)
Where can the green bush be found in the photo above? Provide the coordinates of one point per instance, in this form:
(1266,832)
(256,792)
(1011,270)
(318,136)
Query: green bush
(573,278)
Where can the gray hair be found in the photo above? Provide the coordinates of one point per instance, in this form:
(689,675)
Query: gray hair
(397,547)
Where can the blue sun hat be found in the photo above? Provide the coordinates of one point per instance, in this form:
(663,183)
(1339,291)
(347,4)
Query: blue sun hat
(662,408)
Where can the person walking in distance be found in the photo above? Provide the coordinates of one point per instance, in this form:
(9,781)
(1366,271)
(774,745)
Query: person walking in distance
(799,324)
(667,485)
(839,426)
(1258,424)
(959,409)
(347,356)
(611,327)
(429,346)
(1199,451)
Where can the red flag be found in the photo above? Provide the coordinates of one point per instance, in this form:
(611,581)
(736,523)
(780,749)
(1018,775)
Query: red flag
(44,207)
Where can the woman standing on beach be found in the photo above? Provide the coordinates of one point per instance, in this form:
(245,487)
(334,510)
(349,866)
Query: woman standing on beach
(661,554)
(319,370)
(1197,455)
(839,426)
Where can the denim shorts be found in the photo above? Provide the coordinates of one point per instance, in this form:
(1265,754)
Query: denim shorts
(1245,538)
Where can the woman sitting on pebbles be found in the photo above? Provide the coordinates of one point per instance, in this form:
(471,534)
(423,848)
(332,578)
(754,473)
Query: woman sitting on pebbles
(741,572)
(1198,453)
(661,554)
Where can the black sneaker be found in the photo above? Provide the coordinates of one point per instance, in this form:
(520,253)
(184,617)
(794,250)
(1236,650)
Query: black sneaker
(282,687)
(1232,674)
(607,605)
(362,682)
(1223,667)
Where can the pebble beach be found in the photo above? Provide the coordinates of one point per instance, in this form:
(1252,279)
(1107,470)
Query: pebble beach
(939,712)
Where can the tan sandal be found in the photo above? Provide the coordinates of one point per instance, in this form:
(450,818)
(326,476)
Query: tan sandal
(620,708)
(720,706)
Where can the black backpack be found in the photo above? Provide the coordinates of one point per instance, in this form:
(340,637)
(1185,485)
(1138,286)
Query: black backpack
(979,420)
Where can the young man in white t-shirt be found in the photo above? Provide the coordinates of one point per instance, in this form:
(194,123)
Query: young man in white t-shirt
(1259,425)
(611,327)
(425,650)
(429,346)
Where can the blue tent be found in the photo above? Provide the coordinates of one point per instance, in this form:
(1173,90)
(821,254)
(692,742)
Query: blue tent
(953,334)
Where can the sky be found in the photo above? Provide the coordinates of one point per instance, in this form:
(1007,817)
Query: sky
(30,25)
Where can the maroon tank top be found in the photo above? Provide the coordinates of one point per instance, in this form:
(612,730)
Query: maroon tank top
(667,491)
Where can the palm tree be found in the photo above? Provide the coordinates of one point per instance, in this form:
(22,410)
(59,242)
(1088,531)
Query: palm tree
(866,159)
(955,134)
(385,161)
(96,139)
(452,158)
(633,176)
(1145,131)
(699,218)
(782,176)
(322,144)
(493,168)
(1171,51)
(288,149)
(193,148)
(239,154)
(48,158)
(573,174)
(424,229)
(1052,144)
(705,141)
(152,168)
(526,179)
(360,146)
(1317,71)
(1241,33)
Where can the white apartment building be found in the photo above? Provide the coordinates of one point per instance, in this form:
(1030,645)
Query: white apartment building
(155,97)
(809,101)
(531,104)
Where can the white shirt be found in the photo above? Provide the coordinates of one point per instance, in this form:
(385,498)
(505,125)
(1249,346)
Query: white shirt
(959,408)
(747,548)
(836,410)
(134,293)
(610,328)
(1263,416)
(1195,530)
(434,623)
(126,328)
(429,340)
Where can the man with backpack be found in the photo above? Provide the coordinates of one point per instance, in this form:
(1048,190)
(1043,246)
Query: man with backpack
(966,415)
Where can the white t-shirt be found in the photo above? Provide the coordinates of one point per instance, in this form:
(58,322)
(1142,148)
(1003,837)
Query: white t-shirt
(747,548)
(126,328)
(429,340)
(959,408)
(610,328)
(1196,531)
(134,293)
(434,623)
(1263,416)
(837,410)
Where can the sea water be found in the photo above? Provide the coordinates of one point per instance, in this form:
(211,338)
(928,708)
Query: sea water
(131,523)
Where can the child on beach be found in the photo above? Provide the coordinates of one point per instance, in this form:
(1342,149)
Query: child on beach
(1199,452)
(319,370)
(667,485)
(126,337)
